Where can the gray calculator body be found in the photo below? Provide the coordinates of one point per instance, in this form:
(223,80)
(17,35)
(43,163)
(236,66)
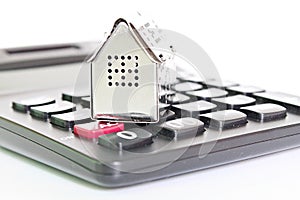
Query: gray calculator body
(42,73)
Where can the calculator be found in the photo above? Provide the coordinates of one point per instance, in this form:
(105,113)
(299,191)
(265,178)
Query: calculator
(205,123)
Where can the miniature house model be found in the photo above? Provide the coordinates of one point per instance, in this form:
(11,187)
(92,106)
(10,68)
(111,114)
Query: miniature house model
(124,77)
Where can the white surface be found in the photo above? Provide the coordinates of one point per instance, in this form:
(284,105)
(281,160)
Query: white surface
(255,42)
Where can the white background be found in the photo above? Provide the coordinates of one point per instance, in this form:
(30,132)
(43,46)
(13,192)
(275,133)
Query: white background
(252,42)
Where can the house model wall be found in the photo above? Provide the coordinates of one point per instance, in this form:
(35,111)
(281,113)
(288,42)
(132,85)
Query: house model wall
(124,78)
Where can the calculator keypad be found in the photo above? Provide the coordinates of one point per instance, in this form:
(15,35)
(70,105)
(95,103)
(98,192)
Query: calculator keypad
(184,113)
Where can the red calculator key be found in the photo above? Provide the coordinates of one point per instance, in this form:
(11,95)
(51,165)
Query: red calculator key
(95,129)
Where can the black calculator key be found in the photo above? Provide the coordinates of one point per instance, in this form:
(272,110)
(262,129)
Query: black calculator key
(186,127)
(208,94)
(225,119)
(167,115)
(220,84)
(264,112)
(164,109)
(234,102)
(163,106)
(125,140)
(244,89)
(178,98)
(290,102)
(164,94)
(192,109)
(44,112)
(187,86)
(75,95)
(85,102)
(167,92)
(25,104)
(68,120)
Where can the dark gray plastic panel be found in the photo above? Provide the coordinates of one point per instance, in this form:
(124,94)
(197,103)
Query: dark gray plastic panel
(39,56)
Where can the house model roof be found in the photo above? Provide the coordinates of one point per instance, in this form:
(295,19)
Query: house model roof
(134,33)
